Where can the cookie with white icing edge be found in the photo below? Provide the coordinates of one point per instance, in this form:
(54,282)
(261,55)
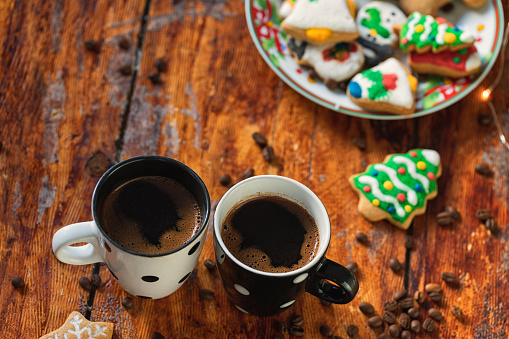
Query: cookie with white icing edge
(388,87)
(322,22)
(376,21)
(285,8)
(399,188)
(78,327)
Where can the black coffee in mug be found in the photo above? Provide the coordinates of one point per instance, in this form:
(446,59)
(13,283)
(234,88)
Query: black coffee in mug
(271,233)
(150,215)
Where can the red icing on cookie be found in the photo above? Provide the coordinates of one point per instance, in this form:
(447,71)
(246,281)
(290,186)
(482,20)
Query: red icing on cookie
(401,197)
(389,81)
(367,189)
(451,59)
(401,170)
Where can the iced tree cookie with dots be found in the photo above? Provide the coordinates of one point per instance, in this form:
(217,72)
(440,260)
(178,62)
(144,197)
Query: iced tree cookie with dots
(321,22)
(388,87)
(333,63)
(425,33)
(78,327)
(452,64)
(398,188)
(430,7)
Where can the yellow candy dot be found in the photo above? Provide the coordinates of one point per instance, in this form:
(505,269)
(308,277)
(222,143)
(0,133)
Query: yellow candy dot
(270,24)
(319,34)
(373,32)
(408,208)
(311,80)
(421,165)
(388,185)
(412,81)
(447,81)
(480,27)
(376,202)
(449,38)
(419,28)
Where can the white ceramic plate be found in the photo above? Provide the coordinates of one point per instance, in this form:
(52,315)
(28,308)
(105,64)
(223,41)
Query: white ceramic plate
(434,93)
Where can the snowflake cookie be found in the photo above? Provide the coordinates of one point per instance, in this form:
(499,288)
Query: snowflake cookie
(78,327)
(399,188)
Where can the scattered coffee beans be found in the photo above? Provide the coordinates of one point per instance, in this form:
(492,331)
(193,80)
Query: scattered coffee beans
(352,267)
(383,336)
(225,179)
(210,264)
(428,325)
(391,305)
(17,282)
(126,70)
(161,65)
(206,294)
(404,320)
(297,320)
(457,312)
(419,297)
(366,308)
(352,331)
(85,283)
(338,337)
(297,331)
(444,218)
(157,335)
(449,277)
(259,139)
(435,296)
(435,314)
(124,43)
(96,280)
(282,327)
(484,119)
(360,143)
(395,265)
(483,169)
(432,287)
(361,237)
(409,242)
(248,174)
(330,84)
(395,330)
(413,312)
(483,214)
(407,303)
(491,225)
(453,211)
(92,46)
(375,322)
(415,326)
(400,294)
(128,302)
(155,78)
(326,330)
(406,335)
(268,153)
(389,317)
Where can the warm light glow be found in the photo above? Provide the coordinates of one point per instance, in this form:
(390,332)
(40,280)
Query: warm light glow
(486,94)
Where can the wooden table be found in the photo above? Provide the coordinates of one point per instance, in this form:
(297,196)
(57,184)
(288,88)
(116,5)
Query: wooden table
(63,107)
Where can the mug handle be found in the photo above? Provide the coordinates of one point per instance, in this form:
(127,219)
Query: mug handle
(345,285)
(77,255)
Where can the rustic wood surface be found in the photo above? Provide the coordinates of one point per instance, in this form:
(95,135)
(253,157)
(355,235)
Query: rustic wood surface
(63,107)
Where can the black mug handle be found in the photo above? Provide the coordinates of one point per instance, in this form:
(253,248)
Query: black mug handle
(345,285)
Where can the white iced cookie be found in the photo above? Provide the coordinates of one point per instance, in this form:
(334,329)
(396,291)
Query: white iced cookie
(286,8)
(375,21)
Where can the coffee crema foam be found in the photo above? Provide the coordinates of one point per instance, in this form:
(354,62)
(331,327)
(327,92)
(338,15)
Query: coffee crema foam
(150,215)
(271,234)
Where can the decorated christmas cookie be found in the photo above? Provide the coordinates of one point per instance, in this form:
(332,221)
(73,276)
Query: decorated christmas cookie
(430,7)
(321,22)
(424,33)
(286,8)
(398,189)
(375,21)
(453,64)
(78,327)
(387,87)
(334,62)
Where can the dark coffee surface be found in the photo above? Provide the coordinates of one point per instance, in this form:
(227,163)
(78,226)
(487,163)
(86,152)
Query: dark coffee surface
(270,234)
(150,215)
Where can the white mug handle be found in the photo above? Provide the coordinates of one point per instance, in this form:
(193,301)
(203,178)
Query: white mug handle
(77,255)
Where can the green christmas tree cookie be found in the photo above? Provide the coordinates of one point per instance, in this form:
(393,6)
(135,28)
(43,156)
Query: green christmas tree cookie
(399,188)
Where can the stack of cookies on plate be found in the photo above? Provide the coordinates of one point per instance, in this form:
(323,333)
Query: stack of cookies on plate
(344,44)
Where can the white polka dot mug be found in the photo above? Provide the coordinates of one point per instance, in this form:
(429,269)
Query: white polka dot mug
(150,214)
(262,293)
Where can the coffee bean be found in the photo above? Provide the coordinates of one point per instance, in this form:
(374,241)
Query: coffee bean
(268,153)
(407,303)
(391,305)
(93,46)
(297,331)
(97,164)
(157,335)
(394,330)
(206,294)
(209,264)
(338,337)
(483,214)
(125,70)
(449,277)
(484,119)
(17,282)
(435,314)
(483,169)
(96,280)
(415,326)
(325,303)
(123,43)
(457,312)
(414,312)
(352,267)
(491,225)
(128,302)
(432,287)
(161,65)
(383,336)
(360,143)
(352,331)
(225,179)
(330,84)
(444,218)
(366,308)
(428,325)
(375,322)
(400,294)
(85,283)
(419,297)
(248,174)
(361,237)
(282,327)
(389,317)
(404,320)
(326,330)
(155,78)
(259,139)
(453,211)
(406,335)
(395,265)
(297,320)
(409,242)
(435,296)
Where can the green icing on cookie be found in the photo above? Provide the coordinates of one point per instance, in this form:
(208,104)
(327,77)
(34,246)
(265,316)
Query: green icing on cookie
(377,90)
(400,185)
(374,22)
